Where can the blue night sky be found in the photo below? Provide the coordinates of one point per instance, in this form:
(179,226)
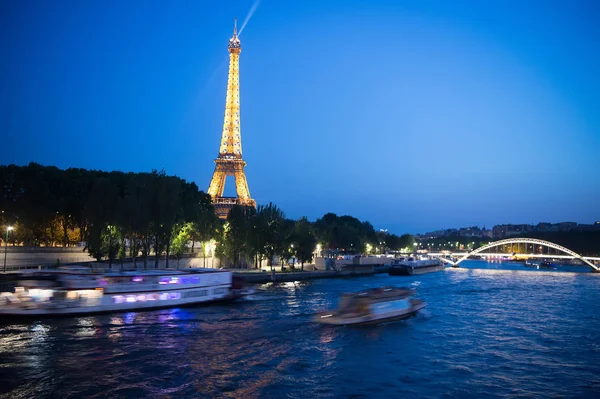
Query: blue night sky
(414,115)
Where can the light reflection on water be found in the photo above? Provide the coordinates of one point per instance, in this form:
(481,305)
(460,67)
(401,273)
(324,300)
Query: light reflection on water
(492,333)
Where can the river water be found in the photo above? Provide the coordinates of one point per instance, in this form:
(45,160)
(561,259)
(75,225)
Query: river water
(488,332)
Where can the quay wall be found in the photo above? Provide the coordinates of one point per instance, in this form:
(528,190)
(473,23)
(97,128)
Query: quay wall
(42,256)
(320,262)
(260,278)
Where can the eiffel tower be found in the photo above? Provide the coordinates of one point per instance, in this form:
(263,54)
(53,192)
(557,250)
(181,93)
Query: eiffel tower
(230,162)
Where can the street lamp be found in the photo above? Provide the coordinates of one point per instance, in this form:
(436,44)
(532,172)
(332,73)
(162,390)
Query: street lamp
(110,247)
(9,228)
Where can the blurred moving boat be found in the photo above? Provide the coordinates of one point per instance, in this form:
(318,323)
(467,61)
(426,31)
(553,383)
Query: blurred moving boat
(411,267)
(373,306)
(70,292)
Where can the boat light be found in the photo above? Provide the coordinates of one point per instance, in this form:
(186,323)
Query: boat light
(327,315)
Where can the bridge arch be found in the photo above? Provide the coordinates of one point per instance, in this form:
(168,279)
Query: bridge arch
(534,241)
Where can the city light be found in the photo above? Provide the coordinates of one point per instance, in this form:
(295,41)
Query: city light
(8,229)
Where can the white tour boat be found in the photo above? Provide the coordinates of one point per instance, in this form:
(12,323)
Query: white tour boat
(373,306)
(70,292)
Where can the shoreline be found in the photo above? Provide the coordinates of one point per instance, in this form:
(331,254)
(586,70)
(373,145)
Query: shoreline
(261,278)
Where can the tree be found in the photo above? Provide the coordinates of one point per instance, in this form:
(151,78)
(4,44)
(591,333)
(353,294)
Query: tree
(100,211)
(392,241)
(344,233)
(181,237)
(406,241)
(166,210)
(200,212)
(304,240)
(285,245)
(269,230)
(237,231)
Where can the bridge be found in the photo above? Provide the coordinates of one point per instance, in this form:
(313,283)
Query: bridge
(566,253)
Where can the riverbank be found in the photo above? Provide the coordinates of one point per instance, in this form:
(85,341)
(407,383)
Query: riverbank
(261,278)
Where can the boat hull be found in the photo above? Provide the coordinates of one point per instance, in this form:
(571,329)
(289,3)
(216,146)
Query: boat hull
(84,311)
(399,271)
(413,270)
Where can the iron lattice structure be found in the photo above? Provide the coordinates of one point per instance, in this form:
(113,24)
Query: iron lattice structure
(230,162)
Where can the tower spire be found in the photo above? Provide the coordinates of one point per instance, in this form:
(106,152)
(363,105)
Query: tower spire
(235,27)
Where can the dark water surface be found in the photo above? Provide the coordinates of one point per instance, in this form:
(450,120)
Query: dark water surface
(486,333)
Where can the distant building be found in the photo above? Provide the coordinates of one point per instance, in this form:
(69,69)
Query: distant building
(510,230)
(588,227)
(469,232)
(566,226)
(546,227)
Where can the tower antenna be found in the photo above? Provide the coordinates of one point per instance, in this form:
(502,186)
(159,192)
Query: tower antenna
(234,27)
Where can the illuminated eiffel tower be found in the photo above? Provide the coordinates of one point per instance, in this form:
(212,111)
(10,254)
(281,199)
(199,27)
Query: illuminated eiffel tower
(230,162)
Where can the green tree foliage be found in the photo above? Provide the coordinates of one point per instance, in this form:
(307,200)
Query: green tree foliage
(344,233)
(100,213)
(285,244)
(304,241)
(406,241)
(237,232)
(205,225)
(270,227)
(181,237)
(110,210)
(251,235)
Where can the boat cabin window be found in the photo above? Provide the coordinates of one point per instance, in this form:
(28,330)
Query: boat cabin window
(391,305)
(179,280)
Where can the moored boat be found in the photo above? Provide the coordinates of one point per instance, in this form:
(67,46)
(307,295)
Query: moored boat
(373,306)
(410,267)
(539,265)
(78,292)
(531,263)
